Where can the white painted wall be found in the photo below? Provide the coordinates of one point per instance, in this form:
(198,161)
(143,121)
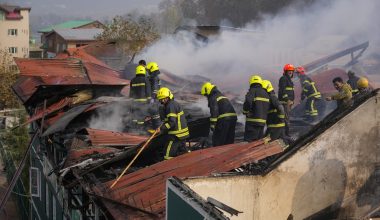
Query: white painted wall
(336,169)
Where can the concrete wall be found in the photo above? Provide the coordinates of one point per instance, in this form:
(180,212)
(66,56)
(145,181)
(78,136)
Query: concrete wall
(21,41)
(335,176)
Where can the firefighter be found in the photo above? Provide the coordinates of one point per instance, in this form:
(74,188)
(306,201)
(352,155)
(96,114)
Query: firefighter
(175,125)
(142,63)
(276,115)
(363,87)
(353,82)
(255,107)
(286,93)
(344,95)
(310,93)
(141,95)
(154,71)
(223,116)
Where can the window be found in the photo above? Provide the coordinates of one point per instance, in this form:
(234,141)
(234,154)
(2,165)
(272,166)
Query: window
(12,49)
(35,181)
(12,32)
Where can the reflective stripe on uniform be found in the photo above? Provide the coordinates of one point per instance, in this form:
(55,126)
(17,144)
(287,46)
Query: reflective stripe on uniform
(174,114)
(213,119)
(256,120)
(289,88)
(276,125)
(167,155)
(220,97)
(281,116)
(272,111)
(285,96)
(227,115)
(261,99)
(179,131)
(355,90)
(167,125)
(138,84)
(315,95)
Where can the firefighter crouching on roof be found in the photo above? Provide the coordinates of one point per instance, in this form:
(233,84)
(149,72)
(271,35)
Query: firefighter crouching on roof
(223,116)
(353,82)
(153,71)
(344,95)
(175,125)
(276,115)
(286,93)
(255,107)
(310,93)
(363,88)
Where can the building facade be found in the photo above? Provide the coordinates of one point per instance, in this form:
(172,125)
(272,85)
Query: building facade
(14,30)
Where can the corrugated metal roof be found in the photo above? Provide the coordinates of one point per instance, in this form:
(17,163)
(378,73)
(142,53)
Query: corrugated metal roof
(67,24)
(87,34)
(36,72)
(111,138)
(145,188)
(52,108)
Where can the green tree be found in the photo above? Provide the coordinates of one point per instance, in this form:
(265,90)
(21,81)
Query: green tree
(131,34)
(16,139)
(8,76)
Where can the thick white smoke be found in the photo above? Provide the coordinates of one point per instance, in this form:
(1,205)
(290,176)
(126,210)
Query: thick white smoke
(297,37)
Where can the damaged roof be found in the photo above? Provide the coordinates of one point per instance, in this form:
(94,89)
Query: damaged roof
(145,188)
(37,72)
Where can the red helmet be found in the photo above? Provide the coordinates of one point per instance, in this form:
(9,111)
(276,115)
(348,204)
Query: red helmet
(300,70)
(288,67)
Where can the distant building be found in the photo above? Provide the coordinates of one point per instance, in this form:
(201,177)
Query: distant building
(57,38)
(14,30)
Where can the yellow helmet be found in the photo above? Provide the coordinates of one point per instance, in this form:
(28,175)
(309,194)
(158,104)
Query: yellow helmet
(267,85)
(164,93)
(140,70)
(255,79)
(152,66)
(206,88)
(362,83)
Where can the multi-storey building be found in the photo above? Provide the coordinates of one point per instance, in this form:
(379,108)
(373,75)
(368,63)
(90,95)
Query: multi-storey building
(14,30)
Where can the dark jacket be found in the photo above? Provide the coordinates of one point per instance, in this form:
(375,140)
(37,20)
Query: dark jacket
(309,89)
(175,121)
(140,88)
(220,107)
(353,82)
(276,113)
(285,89)
(154,82)
(256,105)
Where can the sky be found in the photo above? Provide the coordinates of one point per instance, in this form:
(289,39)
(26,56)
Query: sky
(86,8)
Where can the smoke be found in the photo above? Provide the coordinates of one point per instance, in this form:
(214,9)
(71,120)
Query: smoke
(112,117)
(297,37)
